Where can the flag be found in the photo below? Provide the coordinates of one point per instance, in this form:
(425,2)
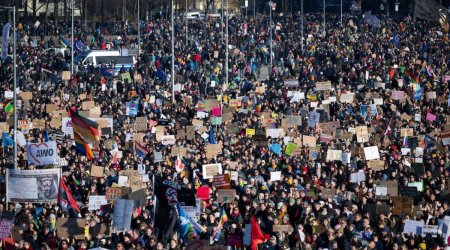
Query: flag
(169,192)
(9,108)
(5,40)
(82,147)
(179,165)
(161,75)
(7,141)
(46,137)
(65,198)
(141,149)
(218,232)
(189,229)
(392,73)
(412,78)
(64,42)
(257,236)
(84,127)
(211,136)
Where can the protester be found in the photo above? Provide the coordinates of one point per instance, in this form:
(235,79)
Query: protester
(341,143)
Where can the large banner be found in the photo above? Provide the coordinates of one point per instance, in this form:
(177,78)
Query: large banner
(37,186)
(44,153)
(5,40)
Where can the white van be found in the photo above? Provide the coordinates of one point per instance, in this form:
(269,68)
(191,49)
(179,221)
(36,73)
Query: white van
(90,56)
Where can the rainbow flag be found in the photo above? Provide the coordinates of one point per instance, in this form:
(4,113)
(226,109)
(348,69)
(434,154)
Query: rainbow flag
(82,147)
(223,219)
(84,127)
(189,229)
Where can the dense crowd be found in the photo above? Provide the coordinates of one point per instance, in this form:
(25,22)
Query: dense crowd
(345,137)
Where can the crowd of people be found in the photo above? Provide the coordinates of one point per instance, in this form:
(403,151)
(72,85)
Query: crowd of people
(341,143)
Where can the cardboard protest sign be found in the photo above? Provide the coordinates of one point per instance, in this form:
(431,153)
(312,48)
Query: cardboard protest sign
(376,165)
(114,193)
(213,149)
(402,205)
(88,105)
(97,171)
(362,134)
(309,141)
(406,132)
(226,195)
(282,228)
(39,123)
(178,151)
(96,201)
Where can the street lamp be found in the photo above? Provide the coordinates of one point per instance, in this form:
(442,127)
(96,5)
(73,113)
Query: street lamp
(272,7)
(173,54)
(71,41)
(13,9)
(139,29)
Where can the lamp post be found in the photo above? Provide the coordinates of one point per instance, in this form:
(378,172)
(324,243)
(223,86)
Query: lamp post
(139,28)
(186,10)
(301,31)
(13,9)
(397,4)
(71,40)
(324,22)
(172,78)
(341,13)
(271,4)
(226,48)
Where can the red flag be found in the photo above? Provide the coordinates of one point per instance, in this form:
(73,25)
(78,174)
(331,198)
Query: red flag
(65,197)
(257,236)
(392,72)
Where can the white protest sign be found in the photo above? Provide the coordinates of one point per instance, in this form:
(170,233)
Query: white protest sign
(209,170)
(36,186)
(275,176)
(41,153)
(371,153)
(96,201)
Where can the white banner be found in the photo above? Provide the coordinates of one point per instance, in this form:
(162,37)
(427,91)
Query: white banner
(42,153)
(36,186)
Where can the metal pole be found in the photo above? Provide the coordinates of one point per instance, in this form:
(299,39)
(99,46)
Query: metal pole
(341,13)
(226,51)
(139,29)
(15,86)
(71,43)
(186,22)
(221,6)
(254,8)
(324,15)
(270,26)
(301,31)
(173,54)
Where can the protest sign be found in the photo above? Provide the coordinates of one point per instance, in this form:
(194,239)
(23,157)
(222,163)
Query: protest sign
(6,223)
(96,201)
(347,98)
(275,176)
(413,227)
(178,151)
(402,205)
(41,153)
(321,86)
(226,195)
(406,132)
(35,186)
(114,193)
(222,181)
(97,171)
(431,230)
(39,123)
(309,141)
(357,177)
(376,165)
(371,153)
(213,149)
(123,210)
(334,155)
(210,170)
(282,228)
(398,95)
(362,134)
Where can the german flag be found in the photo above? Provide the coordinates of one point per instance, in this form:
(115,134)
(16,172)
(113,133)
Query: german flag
(84,127)
(82,147)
